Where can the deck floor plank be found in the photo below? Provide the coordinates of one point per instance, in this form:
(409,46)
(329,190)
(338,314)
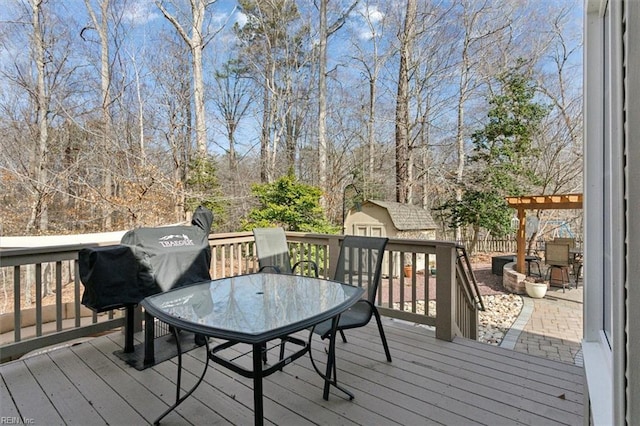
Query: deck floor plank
(135,392)
(486,355)
(488,360)
(240,390)
(7,403)
(412,381)
(302,399)
(62,393)
(161,380)
(373,380)
(30,400)
(95,390)
(428,382)
(482,382)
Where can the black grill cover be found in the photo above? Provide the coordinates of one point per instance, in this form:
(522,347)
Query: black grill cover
(149,260)
(113,278)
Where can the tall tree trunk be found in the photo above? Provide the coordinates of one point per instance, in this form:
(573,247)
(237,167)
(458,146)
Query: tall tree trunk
(460,149)
(38,214)
(102,28)
(371,126)
(322,100)
(265,136)
(198,83)
(196,43)
(402,106)
(325,33)
(141,144)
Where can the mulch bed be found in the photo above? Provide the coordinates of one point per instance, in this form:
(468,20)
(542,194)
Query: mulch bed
(488,283)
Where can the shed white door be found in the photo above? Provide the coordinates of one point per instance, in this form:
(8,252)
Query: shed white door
(369,230)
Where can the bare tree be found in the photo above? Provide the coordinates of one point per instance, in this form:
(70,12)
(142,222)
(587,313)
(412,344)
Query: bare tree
(274,47)
(432,71)
(326,31)
(559,165)
(39,155)
(327,103)
(196,40)
(34,85)
(174,115)
(233,97)
(372,54)
(101,26)
(403,158)
(480,23)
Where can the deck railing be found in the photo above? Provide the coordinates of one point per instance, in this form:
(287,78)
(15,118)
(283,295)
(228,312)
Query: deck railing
(40,288)
(29,278)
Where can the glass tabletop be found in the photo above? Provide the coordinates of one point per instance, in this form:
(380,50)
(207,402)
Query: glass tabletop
(252,308)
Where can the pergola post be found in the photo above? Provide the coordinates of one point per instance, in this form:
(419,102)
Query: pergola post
(537,202)
(521,240)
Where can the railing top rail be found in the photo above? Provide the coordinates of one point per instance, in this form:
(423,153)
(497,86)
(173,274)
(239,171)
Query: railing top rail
(32,255)
(469,271)
(48,249)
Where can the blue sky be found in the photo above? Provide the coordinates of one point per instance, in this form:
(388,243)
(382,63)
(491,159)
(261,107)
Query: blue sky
(145,23)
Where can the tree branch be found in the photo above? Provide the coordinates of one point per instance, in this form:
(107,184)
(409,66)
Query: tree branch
(341,20)
(175,23)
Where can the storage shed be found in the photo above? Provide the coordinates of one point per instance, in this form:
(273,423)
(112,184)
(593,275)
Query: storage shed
(393,220)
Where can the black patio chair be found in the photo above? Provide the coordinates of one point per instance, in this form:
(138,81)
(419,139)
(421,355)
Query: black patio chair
(273,252)
(359,264)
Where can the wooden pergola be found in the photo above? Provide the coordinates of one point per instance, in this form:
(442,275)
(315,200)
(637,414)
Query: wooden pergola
(538,202)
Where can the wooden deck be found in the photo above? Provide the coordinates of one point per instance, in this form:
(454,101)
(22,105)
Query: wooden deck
(429,382)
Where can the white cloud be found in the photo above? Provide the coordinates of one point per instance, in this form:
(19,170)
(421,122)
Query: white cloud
(371,15)
(241,19)
(365,34)
(374,14)
(140,12)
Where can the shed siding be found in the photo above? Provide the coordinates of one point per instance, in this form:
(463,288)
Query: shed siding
(373,218)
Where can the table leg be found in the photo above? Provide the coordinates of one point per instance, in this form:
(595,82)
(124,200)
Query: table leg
(257,384)
(179,398)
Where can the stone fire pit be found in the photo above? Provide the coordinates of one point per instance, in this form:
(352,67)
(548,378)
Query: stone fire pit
(512,280)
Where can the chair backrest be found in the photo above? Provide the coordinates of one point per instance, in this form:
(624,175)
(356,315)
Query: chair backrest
(570,241)
(556,254)
(360,263)
(272,249)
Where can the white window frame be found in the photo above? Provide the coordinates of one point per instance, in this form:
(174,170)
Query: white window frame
(604,358)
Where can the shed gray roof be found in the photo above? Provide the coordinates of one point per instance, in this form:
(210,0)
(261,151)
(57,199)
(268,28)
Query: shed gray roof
(407,217)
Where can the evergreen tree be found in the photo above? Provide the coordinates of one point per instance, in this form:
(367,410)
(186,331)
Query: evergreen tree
(204,190)
(504,148)
(290,204)
(504,151)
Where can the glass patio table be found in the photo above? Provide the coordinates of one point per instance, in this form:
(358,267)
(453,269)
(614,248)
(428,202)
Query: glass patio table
(253,309)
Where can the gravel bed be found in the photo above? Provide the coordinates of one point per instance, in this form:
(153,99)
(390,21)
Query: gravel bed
(501,311)
(501,307)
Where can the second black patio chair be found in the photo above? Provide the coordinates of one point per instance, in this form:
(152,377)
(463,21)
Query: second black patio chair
(273,252)
(359,264)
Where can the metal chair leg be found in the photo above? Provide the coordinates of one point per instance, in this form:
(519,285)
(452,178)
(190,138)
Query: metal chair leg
(382,335)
